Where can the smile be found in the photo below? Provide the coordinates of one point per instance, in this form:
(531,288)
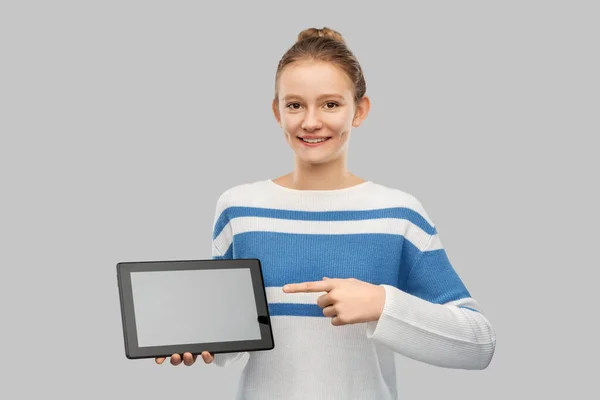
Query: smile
(314,141)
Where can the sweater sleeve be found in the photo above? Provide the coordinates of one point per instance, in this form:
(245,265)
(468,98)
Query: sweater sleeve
(431,316)
(222,246)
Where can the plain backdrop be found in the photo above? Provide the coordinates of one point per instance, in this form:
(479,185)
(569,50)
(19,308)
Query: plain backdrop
(123,121)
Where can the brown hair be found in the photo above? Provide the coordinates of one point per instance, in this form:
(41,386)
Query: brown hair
(325,45)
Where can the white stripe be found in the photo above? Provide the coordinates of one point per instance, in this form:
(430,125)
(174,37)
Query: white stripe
(225,238)
(277,295)
(410,231)
(467,302)
(436,243)
(265,193)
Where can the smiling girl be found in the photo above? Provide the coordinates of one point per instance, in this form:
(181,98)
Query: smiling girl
(355,271)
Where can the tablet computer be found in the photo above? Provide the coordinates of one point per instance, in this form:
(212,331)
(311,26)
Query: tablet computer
(215,305)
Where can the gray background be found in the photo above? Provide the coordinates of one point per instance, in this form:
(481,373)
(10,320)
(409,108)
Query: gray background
(123,121)
(175,307)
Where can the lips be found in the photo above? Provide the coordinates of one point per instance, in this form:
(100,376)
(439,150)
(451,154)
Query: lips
(314,139)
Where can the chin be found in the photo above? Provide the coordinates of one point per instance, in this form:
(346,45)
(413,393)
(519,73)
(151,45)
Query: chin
(311,161)
(330,152)
(317,159)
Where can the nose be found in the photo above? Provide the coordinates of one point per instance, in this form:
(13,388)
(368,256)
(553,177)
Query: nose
(311,121)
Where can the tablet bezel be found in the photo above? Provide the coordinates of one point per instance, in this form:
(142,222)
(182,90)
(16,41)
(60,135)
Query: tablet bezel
(133,351)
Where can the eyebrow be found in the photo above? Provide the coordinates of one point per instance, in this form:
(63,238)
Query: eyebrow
(323,96)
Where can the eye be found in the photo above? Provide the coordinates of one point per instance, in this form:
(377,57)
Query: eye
(293,106)
(331,105)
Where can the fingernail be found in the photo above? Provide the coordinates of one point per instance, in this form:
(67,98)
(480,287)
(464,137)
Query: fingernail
(286,288)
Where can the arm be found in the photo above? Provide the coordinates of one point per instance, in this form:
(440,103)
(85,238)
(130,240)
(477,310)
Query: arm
(432,318)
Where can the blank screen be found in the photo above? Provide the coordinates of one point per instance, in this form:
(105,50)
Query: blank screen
(202,306)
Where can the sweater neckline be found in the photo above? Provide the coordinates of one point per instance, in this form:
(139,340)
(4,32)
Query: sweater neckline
(324,192)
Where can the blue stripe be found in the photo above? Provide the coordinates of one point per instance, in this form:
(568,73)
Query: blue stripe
(434,279)
(374,258)
(295,310)
(469,308)
(304,310)
(291,258)
(397,212)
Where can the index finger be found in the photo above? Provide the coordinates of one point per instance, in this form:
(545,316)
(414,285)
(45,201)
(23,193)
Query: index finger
(316,286)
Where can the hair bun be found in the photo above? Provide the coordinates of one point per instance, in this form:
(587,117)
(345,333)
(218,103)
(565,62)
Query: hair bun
(323,32)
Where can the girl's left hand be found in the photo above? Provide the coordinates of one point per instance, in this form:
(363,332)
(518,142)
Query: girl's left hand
(347,301)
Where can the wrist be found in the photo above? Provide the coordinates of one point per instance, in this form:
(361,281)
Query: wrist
(379,301)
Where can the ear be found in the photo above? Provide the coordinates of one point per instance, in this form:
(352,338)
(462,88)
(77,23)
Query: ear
(362,111)
(275,108)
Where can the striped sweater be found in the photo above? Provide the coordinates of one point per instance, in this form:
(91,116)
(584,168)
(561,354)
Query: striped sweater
(369,232)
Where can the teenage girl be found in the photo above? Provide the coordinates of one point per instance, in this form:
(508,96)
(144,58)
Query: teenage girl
(355,271)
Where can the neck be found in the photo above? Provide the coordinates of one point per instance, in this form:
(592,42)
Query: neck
(326,176)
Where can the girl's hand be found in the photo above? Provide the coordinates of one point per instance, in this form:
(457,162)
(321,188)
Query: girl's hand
(347,301)
(188,358)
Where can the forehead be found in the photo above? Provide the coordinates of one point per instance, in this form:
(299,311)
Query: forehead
(310,78)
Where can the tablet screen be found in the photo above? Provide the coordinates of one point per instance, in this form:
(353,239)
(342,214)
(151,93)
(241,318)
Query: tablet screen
(191,306)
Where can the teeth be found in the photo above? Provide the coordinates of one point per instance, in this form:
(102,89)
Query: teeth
(314,140)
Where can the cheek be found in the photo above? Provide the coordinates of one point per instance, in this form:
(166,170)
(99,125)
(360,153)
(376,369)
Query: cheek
(340,126)
(291,124)
(336,125)
(341,122)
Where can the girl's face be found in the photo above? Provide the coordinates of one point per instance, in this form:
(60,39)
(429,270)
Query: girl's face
(316,110)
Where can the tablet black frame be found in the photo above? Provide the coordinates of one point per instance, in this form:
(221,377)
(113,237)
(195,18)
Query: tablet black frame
(133,351)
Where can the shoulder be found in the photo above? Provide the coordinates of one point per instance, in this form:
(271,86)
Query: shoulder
(242,195)
(389,197)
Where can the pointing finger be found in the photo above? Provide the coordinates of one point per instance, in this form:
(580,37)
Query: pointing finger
(318,286)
